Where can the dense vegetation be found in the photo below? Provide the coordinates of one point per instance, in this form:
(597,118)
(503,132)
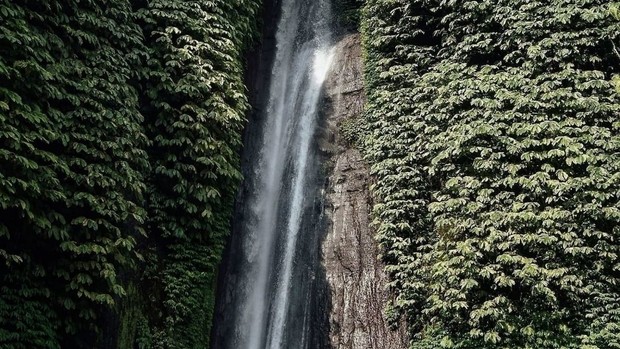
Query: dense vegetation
(120,126)
(494,135)
(348,13)
(493,130)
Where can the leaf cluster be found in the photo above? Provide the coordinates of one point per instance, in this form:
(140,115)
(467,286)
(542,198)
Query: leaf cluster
(73,160)
(195,105)
(120,127)
(494,139)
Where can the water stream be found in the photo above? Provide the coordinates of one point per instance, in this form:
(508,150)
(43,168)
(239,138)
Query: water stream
(267,301)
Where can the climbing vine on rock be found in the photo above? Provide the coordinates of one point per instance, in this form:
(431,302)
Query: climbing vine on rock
(120,126)
(73,161)
(195,108)
(494,139)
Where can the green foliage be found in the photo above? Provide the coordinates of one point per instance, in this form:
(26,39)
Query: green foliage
(195,110)
(614,10)
(72,156)
(28,319)
(120,126)
(353,131)
(494,139)
(195,106)
(348,12)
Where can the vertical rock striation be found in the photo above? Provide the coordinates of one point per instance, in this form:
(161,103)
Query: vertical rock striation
(355,275)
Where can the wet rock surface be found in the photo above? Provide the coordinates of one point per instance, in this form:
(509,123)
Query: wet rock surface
(355,275)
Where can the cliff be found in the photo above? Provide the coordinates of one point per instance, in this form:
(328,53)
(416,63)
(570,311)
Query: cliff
(355,275)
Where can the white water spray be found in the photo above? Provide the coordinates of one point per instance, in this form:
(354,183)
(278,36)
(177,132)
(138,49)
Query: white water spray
(274,211)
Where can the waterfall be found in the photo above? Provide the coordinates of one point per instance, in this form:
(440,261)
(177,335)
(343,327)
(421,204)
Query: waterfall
(267,302)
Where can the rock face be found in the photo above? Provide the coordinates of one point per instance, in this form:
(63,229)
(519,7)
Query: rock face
(355,275)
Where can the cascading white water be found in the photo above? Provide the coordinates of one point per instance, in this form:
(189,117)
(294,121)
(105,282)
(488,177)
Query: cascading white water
(261,292)
(307,127)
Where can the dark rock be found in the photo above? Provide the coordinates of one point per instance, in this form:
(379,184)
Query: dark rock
(355,275)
